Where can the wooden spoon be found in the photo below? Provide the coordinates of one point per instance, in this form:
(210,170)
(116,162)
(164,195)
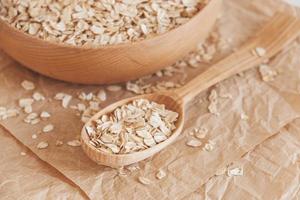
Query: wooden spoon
(280,31)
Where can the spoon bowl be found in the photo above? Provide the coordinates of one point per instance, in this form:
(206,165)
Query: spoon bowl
(118,160)
(109,63)
(279,32)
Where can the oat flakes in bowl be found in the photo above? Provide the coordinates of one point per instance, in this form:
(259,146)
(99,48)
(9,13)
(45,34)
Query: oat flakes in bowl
(84,22)
(77,44)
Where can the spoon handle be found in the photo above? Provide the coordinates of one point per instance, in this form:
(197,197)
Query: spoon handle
(280,31)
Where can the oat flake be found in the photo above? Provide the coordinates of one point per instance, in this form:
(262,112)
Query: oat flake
(244,116)
(102,95)
(28,85)
(66,100)
(235,172)
(267,73)
(193,143)
(42,145)
(144,181)
(260,51)
(48,128)
(38,96)
(114,88)
(25,102)
(161,174)
(45,115)
(74,143)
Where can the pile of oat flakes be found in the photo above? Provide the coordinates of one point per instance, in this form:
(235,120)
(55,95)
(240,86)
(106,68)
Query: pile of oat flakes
(133,127)
(88,22)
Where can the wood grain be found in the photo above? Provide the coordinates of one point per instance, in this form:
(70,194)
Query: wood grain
(278,33)
(112,63)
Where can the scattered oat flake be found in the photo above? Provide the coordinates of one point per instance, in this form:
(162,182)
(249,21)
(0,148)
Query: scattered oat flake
(38,96)
(86,97)
(161,174)
(28,85)
(135,88)
(144,181)
(209,146)
(66,100)
(201,132)
(114,88)
(45,115)
(235,172)
(193,143)
(260,51)
(34,136)
(59,96)
(28,109)
(30,117)
(25,102)
(23,154)
(102,95)
(42,145)
(48,128)
(74,143)
(267,73)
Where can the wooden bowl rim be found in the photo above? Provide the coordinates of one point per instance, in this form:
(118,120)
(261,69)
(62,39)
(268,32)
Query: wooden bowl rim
(110,46)
(176,132)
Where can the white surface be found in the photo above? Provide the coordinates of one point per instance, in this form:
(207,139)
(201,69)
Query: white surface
(294,2)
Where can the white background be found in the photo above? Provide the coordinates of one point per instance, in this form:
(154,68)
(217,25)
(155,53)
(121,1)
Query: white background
(294,2)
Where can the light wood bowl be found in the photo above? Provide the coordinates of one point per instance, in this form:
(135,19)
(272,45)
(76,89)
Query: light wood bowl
(112,63)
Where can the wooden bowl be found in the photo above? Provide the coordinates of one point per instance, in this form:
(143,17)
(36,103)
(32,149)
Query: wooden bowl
(112,63)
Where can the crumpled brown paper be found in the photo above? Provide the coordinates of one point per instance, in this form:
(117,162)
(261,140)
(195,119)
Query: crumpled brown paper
(25,177)
(269,107)
(271,171)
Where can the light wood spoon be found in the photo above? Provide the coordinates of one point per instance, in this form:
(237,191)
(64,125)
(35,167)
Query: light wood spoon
(280,31)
